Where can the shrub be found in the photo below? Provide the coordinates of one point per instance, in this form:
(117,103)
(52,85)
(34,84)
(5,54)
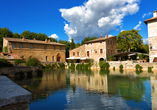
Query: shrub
(5,63)
(150,69)
(61,65)
(72,66)
(141,56)
(53,65)
(33,62)
(138,67)
(121,67)
(47,66)
(113,68)
(4,49)
(18,61)
(103,65)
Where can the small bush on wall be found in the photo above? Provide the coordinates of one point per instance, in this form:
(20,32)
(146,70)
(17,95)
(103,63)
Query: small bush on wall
(33,62)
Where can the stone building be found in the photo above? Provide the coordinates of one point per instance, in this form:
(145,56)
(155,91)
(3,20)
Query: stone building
(45,51)
(152,37)
(97,49)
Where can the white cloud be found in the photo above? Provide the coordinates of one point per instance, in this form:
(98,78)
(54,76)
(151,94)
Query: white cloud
(55,36)
(145,41)
(110,35)
(96,16)
(122,30)
(138,25)
(146,14)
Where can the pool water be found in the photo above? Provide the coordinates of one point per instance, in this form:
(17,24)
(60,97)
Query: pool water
(91,90)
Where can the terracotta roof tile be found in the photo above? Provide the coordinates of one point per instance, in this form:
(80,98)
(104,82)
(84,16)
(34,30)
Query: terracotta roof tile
(32,41)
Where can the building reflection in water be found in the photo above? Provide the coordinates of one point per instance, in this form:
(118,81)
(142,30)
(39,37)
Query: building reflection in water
(91,83)
(153,80)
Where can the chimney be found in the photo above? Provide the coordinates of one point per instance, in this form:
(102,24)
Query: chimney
(34,39)
(155,14)
(100,36)
(23,39)
(49,40)
(106,36)
(45,40)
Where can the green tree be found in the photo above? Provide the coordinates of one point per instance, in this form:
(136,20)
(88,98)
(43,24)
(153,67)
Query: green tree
(53,40)
(27,34)
(16,35)
(72,44)
(129,40)
(4,32)
(67,46)
(88,39)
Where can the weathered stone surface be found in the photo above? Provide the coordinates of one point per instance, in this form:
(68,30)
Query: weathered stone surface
(11,93)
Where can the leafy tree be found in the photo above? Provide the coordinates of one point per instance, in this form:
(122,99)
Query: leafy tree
(67,46)
(26,34)
(53,40)
(72,44)
(4,32)
(16,35)
(88,39)
(129,40)
(77,45)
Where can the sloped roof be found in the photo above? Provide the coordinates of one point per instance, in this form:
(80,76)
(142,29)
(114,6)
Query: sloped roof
(151,19)
(32,41)
(99,39)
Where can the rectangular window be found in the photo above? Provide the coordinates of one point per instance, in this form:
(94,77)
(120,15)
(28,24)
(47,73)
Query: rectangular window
(91,51)
(52,58)
(88,53)
(13,46)
(73,53)
(60,48)
(53,48)
(108,52)
(46,58)
(44,47)
(78,54)
(20,46)
(111,52)
(31,46)
(101,50)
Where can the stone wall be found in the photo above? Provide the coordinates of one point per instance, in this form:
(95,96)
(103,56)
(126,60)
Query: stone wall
(10,71)
(129,65)
(108,46)
(39,52)
(80,49)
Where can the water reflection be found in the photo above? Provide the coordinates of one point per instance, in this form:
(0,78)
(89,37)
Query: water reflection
(77,89)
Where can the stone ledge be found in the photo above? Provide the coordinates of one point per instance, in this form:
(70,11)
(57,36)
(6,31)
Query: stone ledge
(11,93)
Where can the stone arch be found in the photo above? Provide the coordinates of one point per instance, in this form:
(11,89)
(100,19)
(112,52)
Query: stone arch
(58,57)
(101,59)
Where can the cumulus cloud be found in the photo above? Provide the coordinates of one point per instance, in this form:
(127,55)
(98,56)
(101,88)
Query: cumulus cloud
(55,36)
(96,16)
(146,14)
(138,26)
(145,41)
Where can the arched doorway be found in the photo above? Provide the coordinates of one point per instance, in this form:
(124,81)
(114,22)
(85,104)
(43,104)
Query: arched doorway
(58,57)
(101,59)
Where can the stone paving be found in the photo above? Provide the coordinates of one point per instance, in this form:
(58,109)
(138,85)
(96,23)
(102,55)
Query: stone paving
(11,93)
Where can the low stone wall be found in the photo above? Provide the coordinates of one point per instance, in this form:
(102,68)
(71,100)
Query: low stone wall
(129,65)
(10,71)
(13,96)
(45,63)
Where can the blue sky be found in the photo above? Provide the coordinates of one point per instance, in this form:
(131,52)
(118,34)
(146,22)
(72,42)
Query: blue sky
(66,19)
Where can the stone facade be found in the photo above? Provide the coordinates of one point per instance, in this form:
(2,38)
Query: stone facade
(45,51)
(152,37)
(96,49)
